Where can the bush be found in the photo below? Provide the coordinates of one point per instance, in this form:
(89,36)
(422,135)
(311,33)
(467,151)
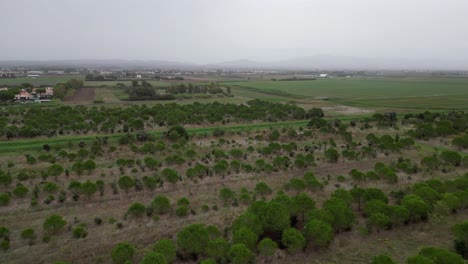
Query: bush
(267,247)
(417,208)
(176,133)
(344,217)
(4,199)
(382,259)
(218,250)
(46,238)
(5,179)
(161,204)
(451,157)
(122,253)
(182,211)
(318,232)
(461,238)
(4,233)
(54,224)
(80,232)
(193,239)
(250,221)
(166,248)
(441,255)
(263,189)
(293,240)
(137,210)
(154,258)
(332,155)
(246,237)
(5,244)
(379,221)
(240,254)
(29,234)
(97,220)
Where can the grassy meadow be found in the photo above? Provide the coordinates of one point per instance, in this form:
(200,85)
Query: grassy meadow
(43,80)
(412,93)
(380,94)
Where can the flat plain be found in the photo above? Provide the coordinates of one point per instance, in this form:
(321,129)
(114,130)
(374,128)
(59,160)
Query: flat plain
(240,156)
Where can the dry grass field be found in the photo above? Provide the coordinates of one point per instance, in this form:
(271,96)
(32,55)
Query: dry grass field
(348,247)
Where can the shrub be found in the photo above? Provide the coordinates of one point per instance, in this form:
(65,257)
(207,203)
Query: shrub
(80,232)
(122,253)
(382,259)
(441,255)
(97,220)
(451,157)
(182,211)
(318,232)
(240,254)
(54,224)
(29,234)
(246,237)
(154,258)
(267,247)
(166,248)
(332,155)
(379,221)
(461,238)
(161,204)
(4,199)
(293,240)
(218,250)
(137,210)
(344,217)
(263,189)
(193,239)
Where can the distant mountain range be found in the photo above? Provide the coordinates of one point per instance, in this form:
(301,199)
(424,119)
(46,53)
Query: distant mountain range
(323,62)
(346,63)
(96,63)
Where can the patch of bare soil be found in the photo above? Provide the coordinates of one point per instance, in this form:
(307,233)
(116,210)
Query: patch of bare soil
(347,110)
(82,96)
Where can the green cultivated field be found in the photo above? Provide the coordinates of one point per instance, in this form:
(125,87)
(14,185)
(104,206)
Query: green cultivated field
(412,93)
(45,80)
(381,94)
(54,79)
(127,83)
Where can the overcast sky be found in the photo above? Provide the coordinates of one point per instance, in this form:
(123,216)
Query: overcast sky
(205,31)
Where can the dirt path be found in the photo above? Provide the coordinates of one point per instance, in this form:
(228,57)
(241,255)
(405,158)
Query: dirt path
(347,110)
(82,96)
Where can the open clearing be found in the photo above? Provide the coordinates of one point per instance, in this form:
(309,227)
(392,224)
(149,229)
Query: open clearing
(346,110)
(82,96)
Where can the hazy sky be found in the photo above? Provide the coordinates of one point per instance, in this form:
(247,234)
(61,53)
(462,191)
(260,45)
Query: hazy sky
(207,31)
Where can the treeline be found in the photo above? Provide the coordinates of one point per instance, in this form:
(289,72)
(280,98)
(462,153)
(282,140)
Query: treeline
(212,88)
(146,93)
(37,121)
(63,89)
(430,125)
(98,77)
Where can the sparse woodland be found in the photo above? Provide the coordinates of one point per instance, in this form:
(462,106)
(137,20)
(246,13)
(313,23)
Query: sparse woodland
(292,194)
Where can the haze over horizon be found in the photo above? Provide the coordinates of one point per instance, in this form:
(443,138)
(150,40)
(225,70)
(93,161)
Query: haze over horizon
(210,31)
